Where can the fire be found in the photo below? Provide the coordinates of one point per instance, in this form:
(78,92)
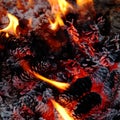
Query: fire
(65,115)
(59,9)
(11,28)
(58,21)
(83,2)
(7,35)
(85,7)
(59,85)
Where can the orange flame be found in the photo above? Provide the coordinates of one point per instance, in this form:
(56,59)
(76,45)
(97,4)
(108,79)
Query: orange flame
(59,85)
(65,115)
(11,28)
(83,2)
(59,9)
(7,35)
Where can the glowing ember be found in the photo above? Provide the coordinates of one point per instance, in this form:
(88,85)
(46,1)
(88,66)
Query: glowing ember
(59,85)
(59,9)
(11,28)
(65,115)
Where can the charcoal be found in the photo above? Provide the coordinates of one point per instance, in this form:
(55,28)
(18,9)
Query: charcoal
(88,102)
(81,86)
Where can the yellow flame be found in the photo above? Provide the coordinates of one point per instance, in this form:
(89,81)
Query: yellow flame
(59,9)
(7,35)
(11,28)
(59,85)
(58,22)
(65,115)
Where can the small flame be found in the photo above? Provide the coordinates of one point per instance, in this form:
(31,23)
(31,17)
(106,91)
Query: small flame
(65,115)
(83,2)
(7,35)
(11,28)
(59,85)
(59,9)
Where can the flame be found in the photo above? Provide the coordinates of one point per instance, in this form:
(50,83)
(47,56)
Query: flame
(59,9)
(11,28)
(58,21)
(61,110)
(83,2)
(59,85)
(85,7)
(7,35)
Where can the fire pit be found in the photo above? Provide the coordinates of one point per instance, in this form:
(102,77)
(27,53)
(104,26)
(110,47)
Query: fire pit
(59,60)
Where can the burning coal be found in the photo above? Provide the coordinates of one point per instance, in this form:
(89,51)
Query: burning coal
(59,61)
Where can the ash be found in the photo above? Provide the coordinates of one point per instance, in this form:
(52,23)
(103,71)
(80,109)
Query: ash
(91,65)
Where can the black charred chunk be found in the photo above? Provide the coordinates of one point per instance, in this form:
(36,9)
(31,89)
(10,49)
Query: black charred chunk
(87,102)
(39,46)
(82,85)
(117,117)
